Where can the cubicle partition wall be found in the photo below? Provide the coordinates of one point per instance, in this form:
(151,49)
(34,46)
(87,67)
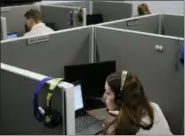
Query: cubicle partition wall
(15,17)
(109,10)
(80,4)
(112,10)
(173,29)
(65,47)
(148,23)
(153,23)
(60,16)
(3,28)
(159,71)
(16,103)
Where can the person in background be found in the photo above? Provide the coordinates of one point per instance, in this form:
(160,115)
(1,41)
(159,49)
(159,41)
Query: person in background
(34,23)
(143,9)
(125,98)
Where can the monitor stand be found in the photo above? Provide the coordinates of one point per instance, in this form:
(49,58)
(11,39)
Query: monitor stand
(94,103)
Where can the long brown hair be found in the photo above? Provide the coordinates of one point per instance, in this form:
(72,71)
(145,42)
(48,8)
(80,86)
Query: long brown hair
(143,9)
(133,105)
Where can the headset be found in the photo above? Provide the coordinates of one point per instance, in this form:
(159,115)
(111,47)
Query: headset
(79,15)
(120,95)
(46,114)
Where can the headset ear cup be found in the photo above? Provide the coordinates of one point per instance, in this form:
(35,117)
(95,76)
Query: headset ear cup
(52,119)
(119,99)
(56,118)
(80,18)
(38,115)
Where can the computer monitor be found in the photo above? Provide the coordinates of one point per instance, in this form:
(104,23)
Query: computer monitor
(12,35)
(94,19)
(78,97)
(51,25)
(91,75)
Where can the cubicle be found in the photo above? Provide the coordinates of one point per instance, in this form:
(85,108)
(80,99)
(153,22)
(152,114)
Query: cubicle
(154,23)
(3,28)
(173,29)
(160,71)
(48,57)
(110,10)
(60,16)
(15,17)
(16,103)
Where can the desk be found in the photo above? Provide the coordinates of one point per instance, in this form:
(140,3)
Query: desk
(102,114)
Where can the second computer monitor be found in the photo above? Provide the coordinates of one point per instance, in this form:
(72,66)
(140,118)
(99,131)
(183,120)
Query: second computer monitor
(91,75)
(12,35)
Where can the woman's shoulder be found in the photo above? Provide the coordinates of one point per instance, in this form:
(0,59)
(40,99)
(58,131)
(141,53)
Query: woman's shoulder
(160,125)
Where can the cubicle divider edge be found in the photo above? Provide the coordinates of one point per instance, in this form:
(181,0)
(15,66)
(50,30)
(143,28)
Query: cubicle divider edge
(68,99)
(3,28)
(127,19)
(143,33)
(46,34)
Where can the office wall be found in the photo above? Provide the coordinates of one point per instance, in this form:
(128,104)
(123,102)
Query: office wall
(58,15)
(63,48)
(148,23)
(162,81)
(112,10)
(15,17)
(173,29)
(16,101)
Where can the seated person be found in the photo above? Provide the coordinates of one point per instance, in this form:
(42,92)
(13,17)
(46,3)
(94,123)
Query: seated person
(35,24)
(125,98)
(143,9)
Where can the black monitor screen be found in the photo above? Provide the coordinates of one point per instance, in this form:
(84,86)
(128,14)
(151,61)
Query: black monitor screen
(51,25)
(91,75)
(94,19)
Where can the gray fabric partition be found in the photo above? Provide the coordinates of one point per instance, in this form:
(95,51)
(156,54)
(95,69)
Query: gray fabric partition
(136,53)
(16,101)
(82,4)
(57,15)
(48,58)
(112,10)
(173,29)
(145,24)
(15,17)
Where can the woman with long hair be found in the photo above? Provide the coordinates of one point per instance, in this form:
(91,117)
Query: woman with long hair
(125,97)
(143,9)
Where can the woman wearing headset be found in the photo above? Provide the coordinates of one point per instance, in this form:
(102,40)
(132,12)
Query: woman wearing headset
(143,9)
(126,99)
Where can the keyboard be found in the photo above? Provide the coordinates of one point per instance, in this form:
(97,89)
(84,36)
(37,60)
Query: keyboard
(85,121)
